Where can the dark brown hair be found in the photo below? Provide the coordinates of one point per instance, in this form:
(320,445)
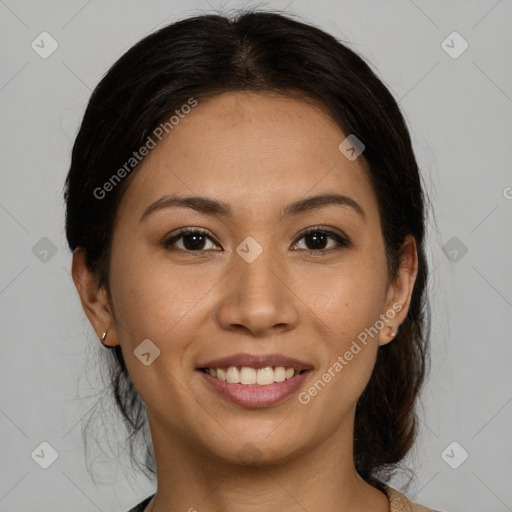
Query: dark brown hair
(262,51)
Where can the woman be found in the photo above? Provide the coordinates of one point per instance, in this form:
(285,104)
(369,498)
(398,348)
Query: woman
(247,224)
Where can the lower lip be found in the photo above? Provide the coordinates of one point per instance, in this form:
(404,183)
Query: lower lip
(253,395)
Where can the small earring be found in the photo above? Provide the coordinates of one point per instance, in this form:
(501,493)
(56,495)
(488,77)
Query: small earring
(104,335)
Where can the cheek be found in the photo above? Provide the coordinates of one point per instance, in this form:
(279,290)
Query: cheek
(153,303)
(348,297)
(350,349)
(348,302)
(158,300)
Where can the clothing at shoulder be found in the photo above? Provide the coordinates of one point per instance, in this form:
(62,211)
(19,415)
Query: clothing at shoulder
(400,503)
(142,505)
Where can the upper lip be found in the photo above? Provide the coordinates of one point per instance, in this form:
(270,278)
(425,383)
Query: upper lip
(257,361)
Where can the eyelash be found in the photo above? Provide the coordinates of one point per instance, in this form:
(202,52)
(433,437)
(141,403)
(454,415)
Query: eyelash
(342,240)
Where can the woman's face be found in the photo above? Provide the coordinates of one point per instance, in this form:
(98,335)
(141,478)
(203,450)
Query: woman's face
(252,282)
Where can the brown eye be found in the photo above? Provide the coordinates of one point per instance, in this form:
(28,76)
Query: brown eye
(317,239)
(189,240)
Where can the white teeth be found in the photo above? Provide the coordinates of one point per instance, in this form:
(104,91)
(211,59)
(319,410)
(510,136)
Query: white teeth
(250,376)
(279,374)
(233,375)
(247,375)
(265,376)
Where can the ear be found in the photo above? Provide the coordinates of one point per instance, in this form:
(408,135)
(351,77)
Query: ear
(400,290)
(94,299)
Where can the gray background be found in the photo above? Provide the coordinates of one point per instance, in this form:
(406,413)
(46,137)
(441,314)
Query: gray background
(460,112)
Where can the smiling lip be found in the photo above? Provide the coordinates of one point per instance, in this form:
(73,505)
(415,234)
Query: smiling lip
(256,395)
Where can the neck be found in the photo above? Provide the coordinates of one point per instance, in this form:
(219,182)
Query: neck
(189,479)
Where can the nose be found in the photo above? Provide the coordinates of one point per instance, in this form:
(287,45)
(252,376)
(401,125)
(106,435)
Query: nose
(258,297)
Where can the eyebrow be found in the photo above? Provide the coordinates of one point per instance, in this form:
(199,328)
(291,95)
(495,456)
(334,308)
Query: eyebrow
(211,206)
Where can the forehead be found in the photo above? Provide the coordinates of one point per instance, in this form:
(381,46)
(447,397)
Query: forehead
(252,150)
